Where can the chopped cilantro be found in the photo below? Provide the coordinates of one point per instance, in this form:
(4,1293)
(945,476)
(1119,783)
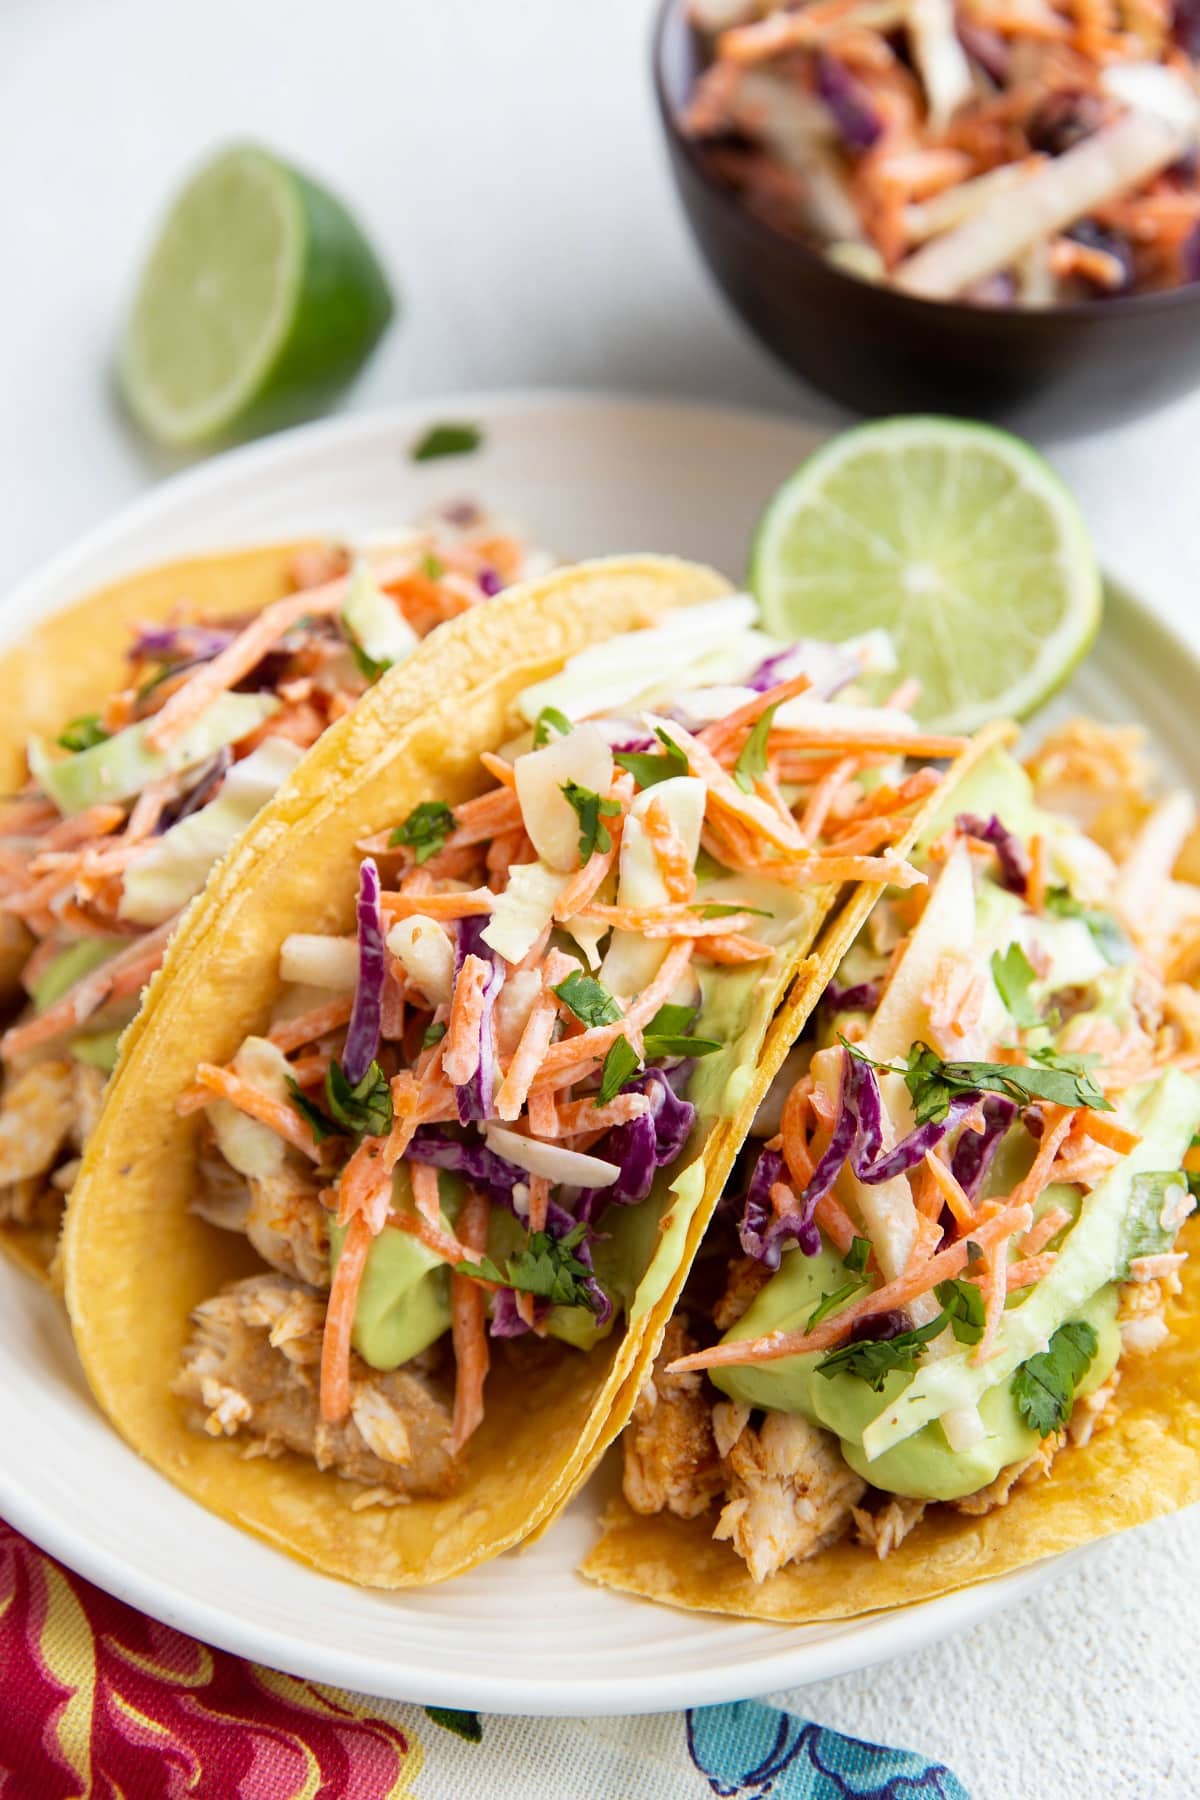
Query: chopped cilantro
(446,440)
(547,1267)
(432,567)
(1044,1387)
(962,1309)
(369,667)
(666,1034)
(932,1084)
(83,733)
(648,767)
(361,1110)
(590,809)
(874,1360)
(548,720)
(434,1033)
(588,999)
(751,765)
(858,1256)
(830,1302)
(1013,975)
(619,1065)
(425,830)
(1106,934)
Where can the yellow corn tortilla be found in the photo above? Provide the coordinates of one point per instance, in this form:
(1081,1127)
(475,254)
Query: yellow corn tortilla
(69,664)
(1145,1464)
(137,1261)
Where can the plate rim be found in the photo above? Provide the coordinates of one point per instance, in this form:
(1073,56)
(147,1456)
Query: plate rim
(875,1638)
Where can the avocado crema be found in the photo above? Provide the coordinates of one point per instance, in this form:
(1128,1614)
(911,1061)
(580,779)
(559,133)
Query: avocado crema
(986,1061)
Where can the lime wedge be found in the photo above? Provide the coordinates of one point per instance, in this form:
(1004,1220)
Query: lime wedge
(260,299)
(959,540)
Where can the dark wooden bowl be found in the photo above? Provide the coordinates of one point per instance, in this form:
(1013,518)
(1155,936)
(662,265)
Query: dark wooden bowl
(1062,370)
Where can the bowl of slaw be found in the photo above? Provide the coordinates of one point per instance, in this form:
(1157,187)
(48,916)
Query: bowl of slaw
(952,317)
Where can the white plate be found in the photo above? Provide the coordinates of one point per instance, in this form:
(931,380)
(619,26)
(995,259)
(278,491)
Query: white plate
(585,475)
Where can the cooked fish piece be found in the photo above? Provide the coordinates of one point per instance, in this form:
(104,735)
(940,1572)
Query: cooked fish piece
(281,1214)
(790,1493)
(39,1111)
(888,1527)
(252,1365)
(671,1461)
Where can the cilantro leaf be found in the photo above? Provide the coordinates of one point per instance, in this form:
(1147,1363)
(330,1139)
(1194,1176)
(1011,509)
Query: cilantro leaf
(590,809)
(962,1309)
(619,1065)
(855,1262)
(588,999)
(425,830)
(361,1110)
(874,1360)
(432,567)
(666,1035)
(858,1255)
(369,667)
(751,764)
(1050,1075)
(1013,975)
(1106,934)
(434,1033)
(547,1267)
(446,440)
(83,733)
(647,767)
(548,720)
(1044,1387)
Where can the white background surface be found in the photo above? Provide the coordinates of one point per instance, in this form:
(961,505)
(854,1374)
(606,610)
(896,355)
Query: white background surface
(505,159)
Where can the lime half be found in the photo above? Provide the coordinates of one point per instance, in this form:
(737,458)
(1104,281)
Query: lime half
(959,540)
(260,299)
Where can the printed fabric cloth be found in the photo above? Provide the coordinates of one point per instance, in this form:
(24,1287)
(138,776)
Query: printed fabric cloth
(99,1703)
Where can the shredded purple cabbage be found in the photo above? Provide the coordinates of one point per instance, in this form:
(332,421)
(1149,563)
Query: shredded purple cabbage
(863,997)
(190,643)
(362,1034)
(641,1146)
(849,102)
(975,1151)
(506,1321)
(489,582)
(781,665)
(474,1099)
(1012,854)
(987,48)
(877,1328)
(479,1164)
(1190,254)
(857,1139)
(200,792)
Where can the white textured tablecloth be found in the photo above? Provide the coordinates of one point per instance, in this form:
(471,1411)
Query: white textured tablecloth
(505,157)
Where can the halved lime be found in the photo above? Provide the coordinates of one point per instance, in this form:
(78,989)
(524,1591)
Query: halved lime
(260,299)
(959,540)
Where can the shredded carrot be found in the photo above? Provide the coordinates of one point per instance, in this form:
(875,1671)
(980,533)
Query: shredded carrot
(450,1249)
(527,1057)
(951,1190)
(1043,1229)
(794,1136)
(308,1070)
(943,1267)
(573,1055)
(542,1114)
(722,734)
(734,948)
(1023,1274)
(675,864)
(461,1049)
(339,1321)
(850,738)
(1035,891)
(227,1084)
(426,1195)
(539,1202)
(663,921)
(816,811)
(889,799)
(835,1222)
(1058,1121)
(585,1115)
(503,771)
(725,795)
(584,883)
(121,976)
(462,903)
(293,1034)
(468,1325)
(1102,1128)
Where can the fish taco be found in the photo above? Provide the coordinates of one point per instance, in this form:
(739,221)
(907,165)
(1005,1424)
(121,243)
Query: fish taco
(144,728)
(416,1134)
(945,1322)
